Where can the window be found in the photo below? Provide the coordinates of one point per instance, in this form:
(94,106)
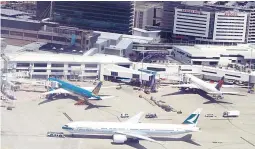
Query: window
(40,65)
(91,65)
(70,65)
(209,71)
(232,75)
(91,71)
(135,76)
(40,70)
(213,63)
(156,69)
(186,69)
(197,63)
(91,77)
(230,16)
(57,65)
(23,64)
(16,33)
(190,25)
(190,32)
(114,73)
(191,16)
(178,21)
(44,37)
(57,70)
(191,19)
(190,29)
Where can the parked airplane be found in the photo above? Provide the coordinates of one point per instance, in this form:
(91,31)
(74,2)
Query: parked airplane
(61,87)
(209,88)
(132,130)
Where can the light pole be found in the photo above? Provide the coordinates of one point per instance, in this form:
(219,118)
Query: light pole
(141,71)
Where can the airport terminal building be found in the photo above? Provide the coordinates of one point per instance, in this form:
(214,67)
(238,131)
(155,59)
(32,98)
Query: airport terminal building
(213,55)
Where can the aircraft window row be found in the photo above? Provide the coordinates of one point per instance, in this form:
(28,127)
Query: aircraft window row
(186,69)
(209,72)
(233,75)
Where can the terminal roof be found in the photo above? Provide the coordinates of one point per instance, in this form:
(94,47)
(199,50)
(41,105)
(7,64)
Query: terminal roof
(51,57)
(246,50)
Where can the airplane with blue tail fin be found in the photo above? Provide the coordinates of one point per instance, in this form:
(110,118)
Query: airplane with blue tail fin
(57,86)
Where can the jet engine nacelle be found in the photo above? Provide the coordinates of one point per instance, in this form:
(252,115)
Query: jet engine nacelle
(119,139)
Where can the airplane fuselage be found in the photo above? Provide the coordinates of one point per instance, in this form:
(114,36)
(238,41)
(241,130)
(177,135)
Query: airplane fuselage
(80,92)
(203,85)
(111,128)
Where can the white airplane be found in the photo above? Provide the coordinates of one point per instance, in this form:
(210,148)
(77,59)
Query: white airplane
(209,88)
(132,130)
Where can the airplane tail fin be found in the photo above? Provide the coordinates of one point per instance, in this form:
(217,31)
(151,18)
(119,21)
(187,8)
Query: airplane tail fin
(97,88)
(193,118)
(220,83)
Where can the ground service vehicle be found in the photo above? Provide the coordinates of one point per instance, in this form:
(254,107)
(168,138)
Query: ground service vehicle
(151,115)
(124,115)
(233,113)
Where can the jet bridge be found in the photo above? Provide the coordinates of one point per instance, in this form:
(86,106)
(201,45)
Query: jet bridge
(115,71)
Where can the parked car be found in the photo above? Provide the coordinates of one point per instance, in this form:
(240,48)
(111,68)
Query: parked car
(124,115)
(151,115)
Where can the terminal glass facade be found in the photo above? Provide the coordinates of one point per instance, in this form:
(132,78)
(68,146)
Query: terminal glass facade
(115,16)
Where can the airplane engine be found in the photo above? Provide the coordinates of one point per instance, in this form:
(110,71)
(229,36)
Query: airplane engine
(54,84)
(119,139)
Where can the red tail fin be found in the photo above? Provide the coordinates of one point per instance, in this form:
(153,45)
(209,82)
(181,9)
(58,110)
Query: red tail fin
(220,83)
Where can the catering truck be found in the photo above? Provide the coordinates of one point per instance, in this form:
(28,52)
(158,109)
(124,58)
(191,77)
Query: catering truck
(233,113)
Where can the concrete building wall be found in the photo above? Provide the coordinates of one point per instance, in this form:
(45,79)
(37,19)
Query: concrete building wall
(230,26)
(191,22)
(85,71)
(251,28)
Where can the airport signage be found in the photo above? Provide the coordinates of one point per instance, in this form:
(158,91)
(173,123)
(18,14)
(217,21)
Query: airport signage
(191,11)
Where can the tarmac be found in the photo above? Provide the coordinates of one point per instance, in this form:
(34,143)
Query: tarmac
(26,125)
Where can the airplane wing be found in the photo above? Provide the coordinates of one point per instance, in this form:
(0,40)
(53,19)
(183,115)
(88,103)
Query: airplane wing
(234,86)
(102,97)
(57,91)
(185,86)
(229,93)
(135,119)
(138,136)
(229,86)
(91,88)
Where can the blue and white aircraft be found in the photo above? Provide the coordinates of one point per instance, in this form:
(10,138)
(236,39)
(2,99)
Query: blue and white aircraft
(57,86)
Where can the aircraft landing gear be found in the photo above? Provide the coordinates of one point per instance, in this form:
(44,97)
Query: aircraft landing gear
(183,89)
(219,97)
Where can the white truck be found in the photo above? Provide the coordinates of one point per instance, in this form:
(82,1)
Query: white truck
(233,113)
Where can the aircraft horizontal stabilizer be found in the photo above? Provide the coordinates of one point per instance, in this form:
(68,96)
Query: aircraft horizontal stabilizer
(139,137)
(135,119)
